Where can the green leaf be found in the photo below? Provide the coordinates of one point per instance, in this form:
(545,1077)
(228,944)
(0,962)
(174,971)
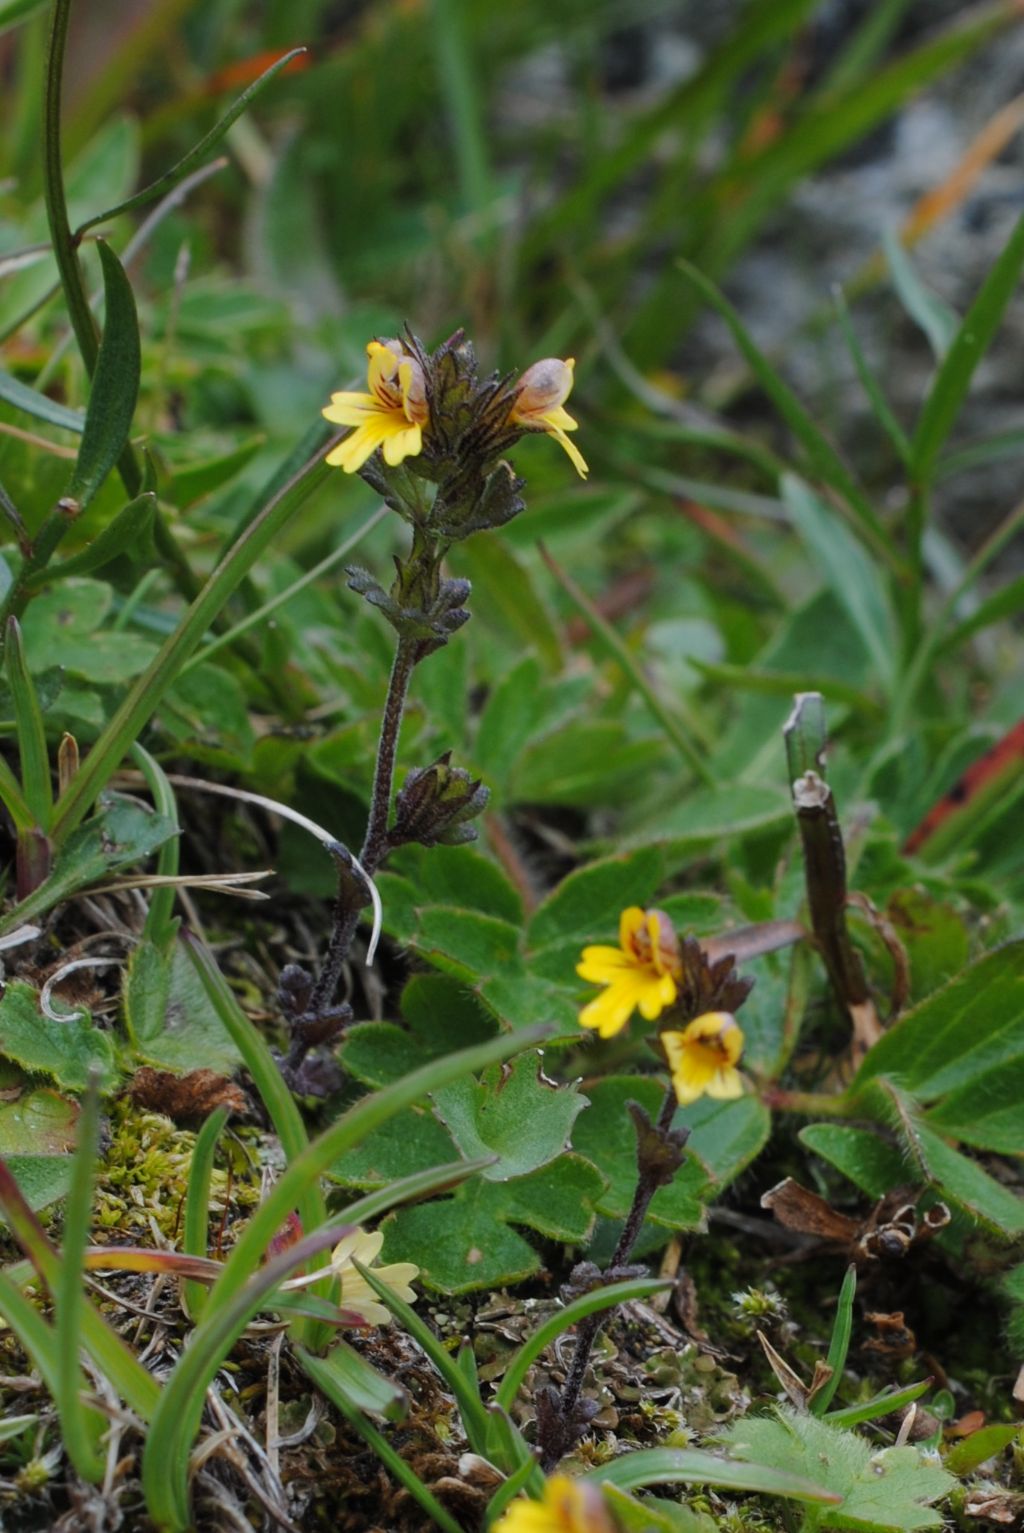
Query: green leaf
(464,1243)
(851,574)
(986,1443)
(653,1515)
(871,1162)
(970,1026)
(505,590)
(692,1466)
(986,1113)
(365,1387)
(30,730)
(169,1017)
(34,1120)
(128,535)
(441,1015)
(18,394)
(513,1112)
(65,1051)
(195,156)
(962,1181)
(891,1489)
(726,1136)
(973,339)
(512,712)
(121,834)
(931,313)
(42,1179)
(115,384)
(587,904)
(605,1135)
(407,1143)
(715,814)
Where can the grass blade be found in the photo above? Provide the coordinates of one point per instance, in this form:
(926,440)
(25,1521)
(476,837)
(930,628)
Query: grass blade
(973,339)
(195,1228)
(838,1346)
(31,732)
(80,1427)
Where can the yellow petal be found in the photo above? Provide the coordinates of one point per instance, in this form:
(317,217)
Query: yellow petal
(658,993)
(602,965)
(559,420)
(577,459)
(403,441)
(631,921)
(610,1012)
(725,1084)
(360,445)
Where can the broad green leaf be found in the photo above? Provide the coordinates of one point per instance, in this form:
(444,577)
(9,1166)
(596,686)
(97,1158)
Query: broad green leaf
(513,1112)
(934,935)
(458,1244)
(714,814)
(973,339)
(584,762)
(464,1243)
(854,578)
(726,1136)
(34,1121)
(122,833)
(963,1181)
(933,314)
(587,904)
(441,1015)
(193,481)
(115,384)
(604,1133)
(405,1144)
(872,1163)
(989,1112)
(970,1026)
(169,1017)
(892,1489)
(64,1051)
(458,875)
(42,1179)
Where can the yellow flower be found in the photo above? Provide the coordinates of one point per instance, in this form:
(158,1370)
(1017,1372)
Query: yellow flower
(356,1294)
(392,415)
(640,973)
(568,1506)
(703,1057)
(540,395)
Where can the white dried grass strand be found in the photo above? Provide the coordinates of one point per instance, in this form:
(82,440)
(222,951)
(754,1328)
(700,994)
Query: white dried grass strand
(77,1013)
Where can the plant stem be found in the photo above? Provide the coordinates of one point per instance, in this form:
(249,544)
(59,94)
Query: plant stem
(349,901)
(586,1333)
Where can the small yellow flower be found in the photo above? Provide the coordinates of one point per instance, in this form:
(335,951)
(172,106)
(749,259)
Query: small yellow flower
(568,1506)
(640,973)
(392,415)
(356,1294)
(540,396)
(702,1058)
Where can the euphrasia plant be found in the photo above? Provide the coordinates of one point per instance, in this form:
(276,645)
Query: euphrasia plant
(428,434)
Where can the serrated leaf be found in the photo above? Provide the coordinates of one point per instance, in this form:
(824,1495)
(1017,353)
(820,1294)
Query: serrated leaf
(889,1490)
(970,1026)
(65,1051)
(115,384)
(587,904)
(605,1135)
(464,1242)
(513,1112)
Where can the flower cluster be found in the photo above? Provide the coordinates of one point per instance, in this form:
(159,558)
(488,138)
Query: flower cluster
(357,1297)
(652,972)
(567,1506)
(433,412)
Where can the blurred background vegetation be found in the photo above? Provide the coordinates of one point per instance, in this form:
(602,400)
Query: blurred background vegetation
(536,173)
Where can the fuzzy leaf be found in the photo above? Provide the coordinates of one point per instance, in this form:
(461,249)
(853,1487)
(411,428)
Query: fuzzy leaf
(440,1015)
(168,1014)
(871,1162)
(589,902)
(65,1051)
(889,1490)
(115,384)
